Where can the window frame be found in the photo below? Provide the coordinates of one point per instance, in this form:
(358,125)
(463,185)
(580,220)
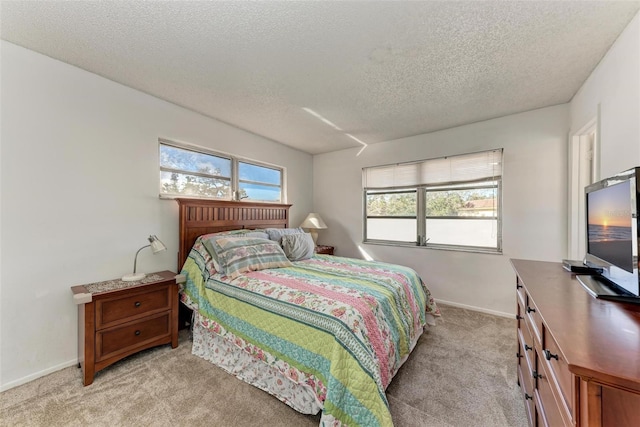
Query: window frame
(422,217)
(407,190)
(465,186)
(236,166)
(234,180)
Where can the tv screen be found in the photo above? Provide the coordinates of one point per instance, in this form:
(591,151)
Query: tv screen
(609,228)
(612,207)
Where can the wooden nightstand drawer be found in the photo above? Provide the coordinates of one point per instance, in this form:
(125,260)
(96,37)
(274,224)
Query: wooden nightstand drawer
(118,318)
(128,337)
(119,310)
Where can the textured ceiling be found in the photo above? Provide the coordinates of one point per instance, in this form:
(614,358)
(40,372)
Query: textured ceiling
(376,70)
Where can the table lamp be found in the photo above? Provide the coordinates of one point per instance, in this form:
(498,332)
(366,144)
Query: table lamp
(312,223)
(156,246)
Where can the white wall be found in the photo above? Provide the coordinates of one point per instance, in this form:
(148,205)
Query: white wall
(534,203)
(615,86)
(79,194)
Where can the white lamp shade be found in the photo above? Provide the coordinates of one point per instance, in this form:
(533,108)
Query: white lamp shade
(156,244)
(313,221)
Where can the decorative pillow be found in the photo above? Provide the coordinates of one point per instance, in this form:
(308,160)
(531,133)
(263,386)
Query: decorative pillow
(276,234)
(237,255)
(238,232)
(298,246)
(209,241)
(257,234)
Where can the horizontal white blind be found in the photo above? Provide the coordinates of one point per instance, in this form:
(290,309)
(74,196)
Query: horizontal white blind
(444,170)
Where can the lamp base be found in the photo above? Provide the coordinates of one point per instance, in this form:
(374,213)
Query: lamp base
(133,277)
(314,236)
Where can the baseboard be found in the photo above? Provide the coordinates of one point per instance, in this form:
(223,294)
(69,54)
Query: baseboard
(480,309)
(37,375)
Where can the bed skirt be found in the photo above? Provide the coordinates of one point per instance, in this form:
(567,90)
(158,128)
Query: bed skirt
(228,355)
(284,382)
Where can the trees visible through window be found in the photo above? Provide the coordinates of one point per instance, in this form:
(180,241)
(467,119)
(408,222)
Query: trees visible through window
(392,215)
(190,172)
(449,203)
(463,216)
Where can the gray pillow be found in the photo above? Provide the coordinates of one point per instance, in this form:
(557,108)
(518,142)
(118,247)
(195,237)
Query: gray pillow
(276,234)
(298,246)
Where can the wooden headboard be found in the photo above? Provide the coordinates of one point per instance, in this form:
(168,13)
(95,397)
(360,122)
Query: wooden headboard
(198,217)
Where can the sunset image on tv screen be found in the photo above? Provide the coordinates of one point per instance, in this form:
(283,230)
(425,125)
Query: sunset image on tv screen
(609,225)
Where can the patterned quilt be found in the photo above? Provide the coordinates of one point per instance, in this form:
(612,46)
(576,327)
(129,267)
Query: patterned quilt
(349,323)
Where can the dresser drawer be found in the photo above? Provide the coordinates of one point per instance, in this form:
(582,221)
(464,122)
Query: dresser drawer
(528,353)
(520,313)
(528,341)
(533,318)
(520,290)
(123,339)
(549,409)
(116,310)
(527,391)
(557,366)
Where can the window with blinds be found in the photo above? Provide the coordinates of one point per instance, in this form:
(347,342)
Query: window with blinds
(445,203)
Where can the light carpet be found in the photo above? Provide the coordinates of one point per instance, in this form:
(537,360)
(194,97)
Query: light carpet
(461,373)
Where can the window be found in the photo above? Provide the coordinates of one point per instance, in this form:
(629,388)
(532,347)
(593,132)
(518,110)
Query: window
(445,203)
(391,215)
(194,172)
(259,182)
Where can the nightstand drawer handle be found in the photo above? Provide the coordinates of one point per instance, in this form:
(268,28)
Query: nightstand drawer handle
(138,332)
(137,304)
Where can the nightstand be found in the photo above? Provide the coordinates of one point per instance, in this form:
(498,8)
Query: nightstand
(324,249)
(117,319)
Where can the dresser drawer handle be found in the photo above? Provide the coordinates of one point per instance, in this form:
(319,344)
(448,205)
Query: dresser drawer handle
(137,332)
(526,347)
(526,396)
(518,286)
(548,355)
(518,317)
(529,309)
(535,374)
(519,355)
(137,304)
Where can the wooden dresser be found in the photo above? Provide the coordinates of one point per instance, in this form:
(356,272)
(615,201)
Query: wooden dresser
(578,357)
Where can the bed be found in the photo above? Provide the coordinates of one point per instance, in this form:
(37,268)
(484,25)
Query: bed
(324,334)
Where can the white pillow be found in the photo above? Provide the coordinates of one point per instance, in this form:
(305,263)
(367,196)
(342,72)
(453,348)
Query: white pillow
(276,234)
(298,246)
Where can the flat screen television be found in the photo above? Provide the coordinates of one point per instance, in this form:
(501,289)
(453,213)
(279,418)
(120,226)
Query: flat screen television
(612,207)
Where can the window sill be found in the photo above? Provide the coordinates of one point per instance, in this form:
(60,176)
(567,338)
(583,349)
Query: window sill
(477,250)
(245,200)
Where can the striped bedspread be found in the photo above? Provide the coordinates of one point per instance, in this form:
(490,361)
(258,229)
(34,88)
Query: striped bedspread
(348,323)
